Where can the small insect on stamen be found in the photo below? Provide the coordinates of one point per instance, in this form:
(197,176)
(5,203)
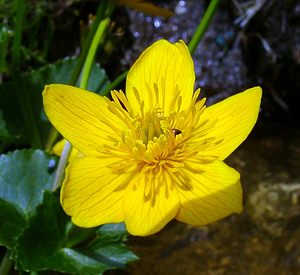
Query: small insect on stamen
(176,132)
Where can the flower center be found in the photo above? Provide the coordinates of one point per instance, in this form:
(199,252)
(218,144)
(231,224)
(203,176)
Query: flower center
(152,125)
(155,142)
(156,147)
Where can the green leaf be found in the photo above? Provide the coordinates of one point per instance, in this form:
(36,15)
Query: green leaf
(21,100)
(34,225)
(12,223)
(82,261)
(24,177)
(115,254)
(109,244)
(112,232)
(43,245)
(43,236)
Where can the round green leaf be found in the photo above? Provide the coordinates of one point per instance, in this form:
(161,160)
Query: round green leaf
(43,245)
(24,177)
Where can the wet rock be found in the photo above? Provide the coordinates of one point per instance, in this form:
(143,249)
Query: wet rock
(273,205)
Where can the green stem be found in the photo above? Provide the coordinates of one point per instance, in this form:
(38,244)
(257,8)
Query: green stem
(99,16)
(20,13)
(6,264)
(115,83)
(53,135)
(60,172)
(98,38)
(203,25)
(63,161)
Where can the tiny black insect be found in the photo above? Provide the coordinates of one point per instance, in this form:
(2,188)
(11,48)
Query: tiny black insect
(176,132)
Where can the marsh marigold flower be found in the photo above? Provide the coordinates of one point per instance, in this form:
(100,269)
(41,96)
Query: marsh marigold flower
(155,153)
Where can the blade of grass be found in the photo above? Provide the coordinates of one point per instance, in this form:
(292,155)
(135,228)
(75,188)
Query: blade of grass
(99,16)
(20,7)
(203,25)
(98,38)
(115,83)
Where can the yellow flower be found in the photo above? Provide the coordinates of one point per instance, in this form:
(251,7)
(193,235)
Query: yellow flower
(145,7)
(155,153)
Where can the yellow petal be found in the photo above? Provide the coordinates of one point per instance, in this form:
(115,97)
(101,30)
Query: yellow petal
(163,73)
(235,118)
(146,210)
(82,117)
(216,193)
(59,146)
(89,192)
